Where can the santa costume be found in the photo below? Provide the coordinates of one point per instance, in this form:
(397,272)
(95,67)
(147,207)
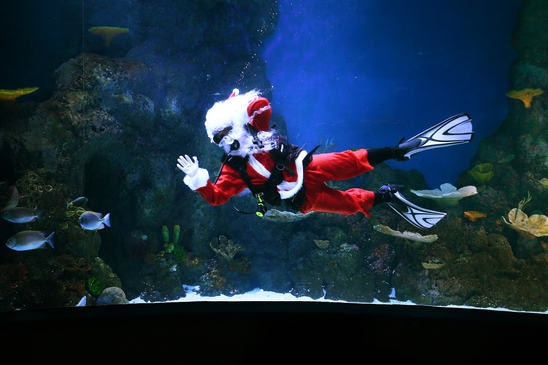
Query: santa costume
(259,159)
(233,118)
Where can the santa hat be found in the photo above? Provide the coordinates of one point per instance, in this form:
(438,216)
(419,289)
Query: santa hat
(231,112)
(234,93)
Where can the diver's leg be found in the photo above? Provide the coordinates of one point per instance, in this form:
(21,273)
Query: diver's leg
(378,155)
(338,165)
(385,193)
(452,131)
(323,198)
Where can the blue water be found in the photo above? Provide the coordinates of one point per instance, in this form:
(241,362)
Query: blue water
(366,73)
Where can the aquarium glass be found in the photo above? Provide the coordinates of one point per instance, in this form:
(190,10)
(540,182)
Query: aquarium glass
(412,136)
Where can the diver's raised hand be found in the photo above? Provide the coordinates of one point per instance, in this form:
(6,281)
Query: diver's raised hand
(188,165)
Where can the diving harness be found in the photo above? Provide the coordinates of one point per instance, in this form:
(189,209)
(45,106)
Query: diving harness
(283,153)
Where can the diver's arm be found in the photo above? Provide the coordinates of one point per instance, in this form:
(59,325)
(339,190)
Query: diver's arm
(228,184)
(196,177)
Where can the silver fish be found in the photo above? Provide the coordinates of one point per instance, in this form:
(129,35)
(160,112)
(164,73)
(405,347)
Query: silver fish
(29,240)
(93,220)
(20,214)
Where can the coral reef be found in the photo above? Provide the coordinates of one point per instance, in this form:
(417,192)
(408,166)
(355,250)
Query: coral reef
(225,247)
(535,225)
(525,95)
(482,173)
(412,236)
(447,194)
(107,32)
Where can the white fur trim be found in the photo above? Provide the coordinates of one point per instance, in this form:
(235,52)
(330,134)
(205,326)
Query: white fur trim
(199,180)
(231,112)
(286,189)
(259,111)
(286,185)
(257,166)
(300,176)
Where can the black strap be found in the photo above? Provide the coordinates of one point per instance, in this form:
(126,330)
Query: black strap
(285,154)
(269,189)
(239,164)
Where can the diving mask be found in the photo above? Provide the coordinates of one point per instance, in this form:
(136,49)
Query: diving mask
(224,139)
(218,137)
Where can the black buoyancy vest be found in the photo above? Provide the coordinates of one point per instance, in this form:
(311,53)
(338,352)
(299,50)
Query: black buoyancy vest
(283,155)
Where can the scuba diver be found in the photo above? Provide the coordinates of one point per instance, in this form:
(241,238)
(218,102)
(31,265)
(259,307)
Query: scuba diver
(278,173)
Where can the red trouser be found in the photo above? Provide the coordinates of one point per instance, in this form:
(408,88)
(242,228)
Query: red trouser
(335,166)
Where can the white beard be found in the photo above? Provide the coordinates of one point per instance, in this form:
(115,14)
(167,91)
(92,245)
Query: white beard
(249,145)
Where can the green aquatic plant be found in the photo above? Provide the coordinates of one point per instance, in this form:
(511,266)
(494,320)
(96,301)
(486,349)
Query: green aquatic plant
(179,253)
(169,245)
(95,285)
(176,233)
(165,234)
(522,203)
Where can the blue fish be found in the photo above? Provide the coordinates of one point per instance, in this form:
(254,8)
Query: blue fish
(29,240)
(80,201)
(93,221)
(20,214)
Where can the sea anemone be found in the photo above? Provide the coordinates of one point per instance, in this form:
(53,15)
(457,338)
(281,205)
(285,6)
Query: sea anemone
(525,95)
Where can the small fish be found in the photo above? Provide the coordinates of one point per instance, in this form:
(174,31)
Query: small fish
(93,221)
(80,201)
(474,215)
(20,214)
(29,240)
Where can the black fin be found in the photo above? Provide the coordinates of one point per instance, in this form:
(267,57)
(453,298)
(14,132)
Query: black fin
(417,216)
(452,131)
